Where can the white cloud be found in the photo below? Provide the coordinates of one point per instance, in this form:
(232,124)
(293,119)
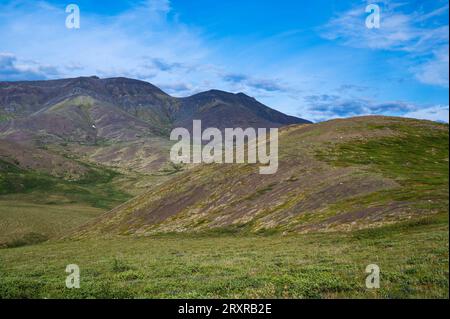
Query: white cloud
(435,71)
(438,113)
(13,69)
(413,33)
(325,106)
(145,42)
(108,46)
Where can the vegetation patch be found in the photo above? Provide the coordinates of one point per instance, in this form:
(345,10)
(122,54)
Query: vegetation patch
(27,239)
(416,158)
(93,188)
(413,259)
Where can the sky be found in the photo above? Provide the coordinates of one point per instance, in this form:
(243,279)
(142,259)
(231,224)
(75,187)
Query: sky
(313,59)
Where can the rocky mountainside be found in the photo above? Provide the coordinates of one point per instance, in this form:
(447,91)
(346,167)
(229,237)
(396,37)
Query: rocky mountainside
(135,97)
(222,109)
(140,100)
(118,122)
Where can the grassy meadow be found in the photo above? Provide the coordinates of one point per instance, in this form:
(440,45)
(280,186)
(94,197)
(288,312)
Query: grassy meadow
(413,258)
(35,206)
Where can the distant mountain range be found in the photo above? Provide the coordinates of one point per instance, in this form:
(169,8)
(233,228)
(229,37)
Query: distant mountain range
(87,109)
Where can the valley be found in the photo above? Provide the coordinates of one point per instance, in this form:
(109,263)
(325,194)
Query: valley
(85,178)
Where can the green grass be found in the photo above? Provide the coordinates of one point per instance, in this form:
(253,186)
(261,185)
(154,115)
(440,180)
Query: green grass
(35,206)
(5,117)
(417,159)
(418,156)
(24,222)
(412,256)
(94,188)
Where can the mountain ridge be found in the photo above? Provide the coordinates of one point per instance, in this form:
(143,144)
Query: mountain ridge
(140,99)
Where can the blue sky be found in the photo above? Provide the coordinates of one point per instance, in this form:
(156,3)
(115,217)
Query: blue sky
(314,59)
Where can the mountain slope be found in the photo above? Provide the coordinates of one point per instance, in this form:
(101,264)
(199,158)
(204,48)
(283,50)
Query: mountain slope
(342,174)
(44,194)
(80,119)
(222,109)
(27,97)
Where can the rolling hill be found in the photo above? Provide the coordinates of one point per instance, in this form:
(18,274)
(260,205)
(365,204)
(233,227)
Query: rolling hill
(337,175)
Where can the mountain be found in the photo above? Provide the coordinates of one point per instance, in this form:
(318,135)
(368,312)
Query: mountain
(84,168)
(337,175)
(118,122)
(222,109)
(142,101)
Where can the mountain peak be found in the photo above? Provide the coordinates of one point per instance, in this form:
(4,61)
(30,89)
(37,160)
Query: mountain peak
(144,101)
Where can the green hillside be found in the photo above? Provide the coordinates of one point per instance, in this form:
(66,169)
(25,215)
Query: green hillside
(36,206)
(338,175)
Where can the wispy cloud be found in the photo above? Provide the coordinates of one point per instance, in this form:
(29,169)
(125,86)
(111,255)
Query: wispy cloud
(415,33)
(260,84)
(435,71)
(398,30)
(146,42)
(325,106)
(162,65)
(438,113)
(105,45)
(13,69)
